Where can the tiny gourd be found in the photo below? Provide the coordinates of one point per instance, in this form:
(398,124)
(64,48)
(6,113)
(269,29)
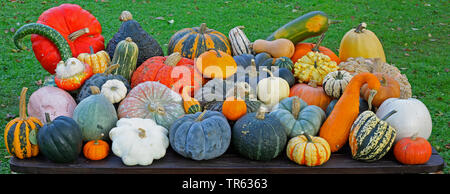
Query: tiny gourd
(98,61)
(308,150)
(114,90)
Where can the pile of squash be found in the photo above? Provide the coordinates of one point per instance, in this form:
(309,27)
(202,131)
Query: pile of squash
(212,92)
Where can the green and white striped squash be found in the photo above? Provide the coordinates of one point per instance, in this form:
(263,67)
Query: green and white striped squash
(371,138)
(240,44)
(125,55)
(335,82)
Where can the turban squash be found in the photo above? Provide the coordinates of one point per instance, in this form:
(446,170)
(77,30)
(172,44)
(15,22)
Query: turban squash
(80,34)
(192,42)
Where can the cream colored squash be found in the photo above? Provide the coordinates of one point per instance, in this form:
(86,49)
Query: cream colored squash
(412,117)
(139,141)
(272,89)
(115,90)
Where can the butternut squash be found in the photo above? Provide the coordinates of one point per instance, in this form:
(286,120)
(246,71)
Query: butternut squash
(277,48)
(336,128)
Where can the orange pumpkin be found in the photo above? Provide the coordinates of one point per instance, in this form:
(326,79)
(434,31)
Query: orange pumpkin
(303,48)
(216,64)
(234,107)
(96,150)
(389,88)
(412,150)
(311,94)
(336,129)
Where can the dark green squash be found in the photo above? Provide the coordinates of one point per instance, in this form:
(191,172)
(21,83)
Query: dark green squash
(286,74)
(96,116)
(60,140)
(258,136)
(148,46)
(370,137)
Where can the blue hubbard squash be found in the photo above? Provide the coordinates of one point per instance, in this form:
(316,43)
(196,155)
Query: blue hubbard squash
(297,117)
(95,115)
(60,140)
(258,136)
(200,136)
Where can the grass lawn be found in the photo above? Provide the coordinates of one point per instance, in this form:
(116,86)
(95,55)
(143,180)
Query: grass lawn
(413,34)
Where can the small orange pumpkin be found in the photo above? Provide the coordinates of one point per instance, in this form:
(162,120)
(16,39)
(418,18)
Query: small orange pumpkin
(311,94)
(303,48)
(234,107)
(96,150)
(216,64)
(412,150)
(389,88)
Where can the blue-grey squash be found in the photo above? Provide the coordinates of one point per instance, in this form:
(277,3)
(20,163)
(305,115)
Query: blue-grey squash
(95,115)
(258,136)
(200,136)
(297,117)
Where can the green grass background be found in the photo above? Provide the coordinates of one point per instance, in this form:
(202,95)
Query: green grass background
(414,34)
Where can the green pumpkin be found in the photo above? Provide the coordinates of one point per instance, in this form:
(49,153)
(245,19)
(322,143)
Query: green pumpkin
(96,116)
(258,136)
(60,140)
(297,117)
(371,138)
(125,54)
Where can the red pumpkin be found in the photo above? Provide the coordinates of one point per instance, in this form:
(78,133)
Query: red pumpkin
(311,94)
(71,21)
(412,150)
(303,48)
(173,71)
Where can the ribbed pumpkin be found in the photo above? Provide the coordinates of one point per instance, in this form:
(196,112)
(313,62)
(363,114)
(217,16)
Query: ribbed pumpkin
(95,115)
(234,106)
(60,140)
(307,150)
(214,63)
(258,136)
(360,42)
(335,82)
(152,100)
(98,61)
(125,54)
(20,133)
(336,127)
(371,138)
(314,66)
(303,48)
(311,94)
(297,117)
(200,136)
(173,71)
(240,44)
(389,88)
(96,149)
(192,42)
(412,150)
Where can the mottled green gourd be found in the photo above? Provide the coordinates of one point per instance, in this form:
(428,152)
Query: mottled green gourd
(125,54)
(48,32)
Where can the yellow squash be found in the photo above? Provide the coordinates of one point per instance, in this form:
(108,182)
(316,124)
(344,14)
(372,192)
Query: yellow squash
(98,61)
(360,42)
(314,66)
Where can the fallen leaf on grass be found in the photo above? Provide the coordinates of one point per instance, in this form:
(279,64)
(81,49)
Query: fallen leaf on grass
(439,113)
(159,18)
(446,70)
(406,54)
(171,21)
(10,116)
(415,29)
(7,157)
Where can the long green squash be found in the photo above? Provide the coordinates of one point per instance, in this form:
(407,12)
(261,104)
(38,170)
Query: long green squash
(125,55)
(306,26)
(48,32)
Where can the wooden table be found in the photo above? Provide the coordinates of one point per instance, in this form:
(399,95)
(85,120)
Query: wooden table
(229,163)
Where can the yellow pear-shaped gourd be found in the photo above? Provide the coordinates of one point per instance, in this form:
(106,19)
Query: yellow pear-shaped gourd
(360,42)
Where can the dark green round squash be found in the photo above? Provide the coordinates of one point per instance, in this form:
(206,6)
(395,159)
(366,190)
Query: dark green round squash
(258,136)
(286,74)
(148,46)
(60,140)
(96,116)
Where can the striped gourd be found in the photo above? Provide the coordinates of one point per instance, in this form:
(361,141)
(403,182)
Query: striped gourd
(239,41)
(335,83)
(125,55)
(48,32)
(308,150)
(371,138)
(191,105)
(20,133)
(192,42)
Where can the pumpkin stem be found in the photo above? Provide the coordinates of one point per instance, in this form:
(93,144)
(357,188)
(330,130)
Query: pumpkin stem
(203,28)
(371,96)
(128,39)
(360,27)
(91,49)
(78,33)
(268,71)
(47,118)
(217,51)
(23,104)
(141,133)
(200,117)
(125,16)
(414,136)
(240,27)
(111,68)
(261,114)
(388,115)
(308,137)
(296,106)
(312,83)
(94,90)
(316,47)
(339,75)
(173,59)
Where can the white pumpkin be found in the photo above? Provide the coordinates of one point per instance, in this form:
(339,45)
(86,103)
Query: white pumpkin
(412,117)
(138,141)
(272,89)
(115,90)
(67,69)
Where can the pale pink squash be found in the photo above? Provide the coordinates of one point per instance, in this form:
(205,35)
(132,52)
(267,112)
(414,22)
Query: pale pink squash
(52,100)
